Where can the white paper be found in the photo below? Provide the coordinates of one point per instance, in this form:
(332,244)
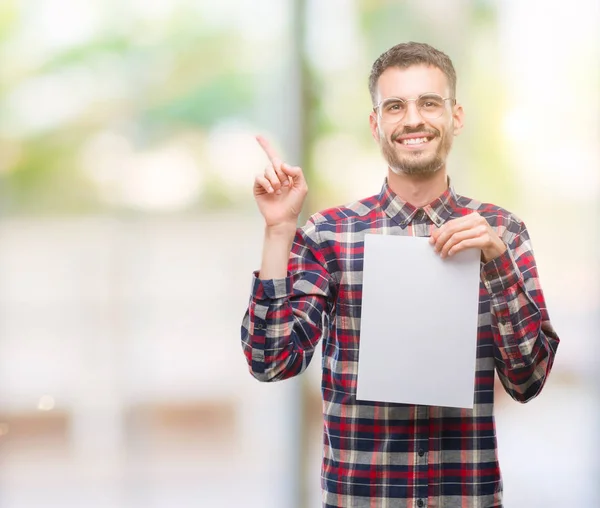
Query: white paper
(418,332)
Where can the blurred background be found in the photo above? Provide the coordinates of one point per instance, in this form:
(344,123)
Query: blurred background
(128,231)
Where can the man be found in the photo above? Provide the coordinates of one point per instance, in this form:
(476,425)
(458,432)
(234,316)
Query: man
(310,286)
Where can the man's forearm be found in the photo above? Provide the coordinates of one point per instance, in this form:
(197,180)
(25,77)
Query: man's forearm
(525,340)
(277,246)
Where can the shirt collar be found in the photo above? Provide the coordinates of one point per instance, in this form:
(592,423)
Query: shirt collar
(402,212)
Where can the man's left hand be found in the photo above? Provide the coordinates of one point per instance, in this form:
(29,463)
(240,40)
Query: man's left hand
(470,231)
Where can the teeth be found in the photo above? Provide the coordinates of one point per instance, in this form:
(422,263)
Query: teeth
(414,141)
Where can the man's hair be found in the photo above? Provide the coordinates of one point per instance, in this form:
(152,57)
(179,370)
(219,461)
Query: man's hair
(406,55)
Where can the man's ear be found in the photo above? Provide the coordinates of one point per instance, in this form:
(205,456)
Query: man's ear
(374,126)
(458,115)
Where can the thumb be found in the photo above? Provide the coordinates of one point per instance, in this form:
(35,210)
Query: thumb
(295,172)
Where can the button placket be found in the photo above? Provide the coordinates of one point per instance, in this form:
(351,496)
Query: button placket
(423,413)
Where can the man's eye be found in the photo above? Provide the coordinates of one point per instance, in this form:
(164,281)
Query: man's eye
(431,103)
(395,106)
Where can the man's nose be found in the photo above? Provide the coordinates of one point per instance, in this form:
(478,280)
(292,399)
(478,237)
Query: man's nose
(412,116)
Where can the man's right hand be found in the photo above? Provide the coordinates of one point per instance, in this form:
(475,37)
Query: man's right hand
(280,191)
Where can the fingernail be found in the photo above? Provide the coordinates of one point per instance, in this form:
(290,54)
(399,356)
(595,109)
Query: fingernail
(431,240)
(285,183)
(277,191)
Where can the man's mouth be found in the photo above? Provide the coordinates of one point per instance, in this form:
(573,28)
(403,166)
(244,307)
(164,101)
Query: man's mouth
(414,140)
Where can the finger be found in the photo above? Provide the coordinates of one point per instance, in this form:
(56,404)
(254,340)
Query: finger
(468,230)
(271,175)
(469,243)
(452,226)
(444,233)
(433,233)
(269,150)
(294,172)
(456,238)
(283,178)
(262,185)
(296,177)
(446,228)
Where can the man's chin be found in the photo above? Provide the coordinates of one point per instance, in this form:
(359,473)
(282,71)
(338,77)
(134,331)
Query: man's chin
(421,174)
(422,169)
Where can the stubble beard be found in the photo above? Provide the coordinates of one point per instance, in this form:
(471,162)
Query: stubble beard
(415,164)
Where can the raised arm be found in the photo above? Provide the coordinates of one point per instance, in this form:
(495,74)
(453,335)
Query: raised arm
(288,305)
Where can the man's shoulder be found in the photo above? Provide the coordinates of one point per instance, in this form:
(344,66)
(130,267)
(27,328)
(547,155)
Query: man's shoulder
(495,214)
(508,225)
(355,210)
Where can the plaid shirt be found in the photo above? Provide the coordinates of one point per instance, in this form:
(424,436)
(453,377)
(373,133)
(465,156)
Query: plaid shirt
(400,455)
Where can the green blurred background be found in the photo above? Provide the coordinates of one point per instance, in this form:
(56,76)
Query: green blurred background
(129,233)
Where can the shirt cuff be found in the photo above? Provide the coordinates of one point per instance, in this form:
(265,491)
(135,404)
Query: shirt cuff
(271,289)
(500,273)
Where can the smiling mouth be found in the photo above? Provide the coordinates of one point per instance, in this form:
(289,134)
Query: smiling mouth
(414,140)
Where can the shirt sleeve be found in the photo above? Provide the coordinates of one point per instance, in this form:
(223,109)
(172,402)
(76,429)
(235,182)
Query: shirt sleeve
(525,342)
(286,317)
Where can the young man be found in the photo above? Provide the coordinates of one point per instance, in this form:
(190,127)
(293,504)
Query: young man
(310,286)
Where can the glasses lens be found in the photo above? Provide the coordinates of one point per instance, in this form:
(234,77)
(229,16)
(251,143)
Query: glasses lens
(392,110)
(430,106)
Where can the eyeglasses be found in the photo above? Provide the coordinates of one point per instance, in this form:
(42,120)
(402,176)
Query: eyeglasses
(429,105)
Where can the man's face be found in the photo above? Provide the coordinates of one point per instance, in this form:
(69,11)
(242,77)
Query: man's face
(414,145)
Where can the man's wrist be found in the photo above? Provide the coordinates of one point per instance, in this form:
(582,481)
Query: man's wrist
(285,229)
(276,250)
(495,252)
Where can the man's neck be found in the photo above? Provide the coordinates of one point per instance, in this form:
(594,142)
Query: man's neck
(417,190)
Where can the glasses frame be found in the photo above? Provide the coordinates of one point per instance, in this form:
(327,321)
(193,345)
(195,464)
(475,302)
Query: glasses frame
(377,109)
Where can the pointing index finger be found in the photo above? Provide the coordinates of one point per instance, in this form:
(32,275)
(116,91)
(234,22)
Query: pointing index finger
(268,149)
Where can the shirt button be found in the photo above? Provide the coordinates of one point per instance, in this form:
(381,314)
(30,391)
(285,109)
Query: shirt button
(421,452)
(259,326)
(420,503)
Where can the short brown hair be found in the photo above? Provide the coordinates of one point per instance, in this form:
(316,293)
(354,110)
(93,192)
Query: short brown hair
(406,55)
